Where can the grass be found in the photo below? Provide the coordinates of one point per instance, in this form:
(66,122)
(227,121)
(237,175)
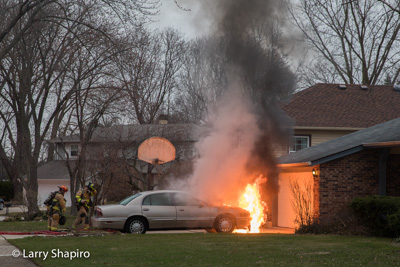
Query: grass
(216,250)
(206,249)
(29,226)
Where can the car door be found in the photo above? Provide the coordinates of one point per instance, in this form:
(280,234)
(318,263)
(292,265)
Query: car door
(159,211)
(191,212)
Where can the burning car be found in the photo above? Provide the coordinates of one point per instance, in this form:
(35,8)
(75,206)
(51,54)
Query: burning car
(167,209)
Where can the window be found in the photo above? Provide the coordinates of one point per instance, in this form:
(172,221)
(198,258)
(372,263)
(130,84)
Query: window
(157,200)
(129,199)
(185,200)
(74,150)
(299,142)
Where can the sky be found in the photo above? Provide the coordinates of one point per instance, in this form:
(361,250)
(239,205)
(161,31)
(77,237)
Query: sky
(191,22)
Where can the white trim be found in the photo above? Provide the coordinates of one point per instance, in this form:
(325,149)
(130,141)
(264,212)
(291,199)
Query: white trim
(293,141)
(327,128)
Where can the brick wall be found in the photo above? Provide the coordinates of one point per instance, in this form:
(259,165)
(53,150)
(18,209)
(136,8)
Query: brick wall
(345,178)
(355,175)
(393,176)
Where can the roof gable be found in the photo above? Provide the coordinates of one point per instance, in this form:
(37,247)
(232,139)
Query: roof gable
(140,132)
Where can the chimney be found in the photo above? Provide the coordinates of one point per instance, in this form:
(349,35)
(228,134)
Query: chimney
(163,119)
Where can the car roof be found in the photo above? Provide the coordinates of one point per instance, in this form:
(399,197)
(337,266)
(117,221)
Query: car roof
(144,193)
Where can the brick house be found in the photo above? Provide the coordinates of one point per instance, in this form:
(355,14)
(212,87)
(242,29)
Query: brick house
(363,163)
(327,111)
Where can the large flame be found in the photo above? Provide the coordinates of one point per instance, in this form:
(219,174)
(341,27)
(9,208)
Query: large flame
(251,201)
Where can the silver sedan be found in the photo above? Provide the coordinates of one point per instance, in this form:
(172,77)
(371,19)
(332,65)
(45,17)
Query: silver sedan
(167,209)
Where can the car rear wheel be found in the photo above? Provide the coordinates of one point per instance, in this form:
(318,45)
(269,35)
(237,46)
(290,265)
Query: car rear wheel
(225,224)
(136,226)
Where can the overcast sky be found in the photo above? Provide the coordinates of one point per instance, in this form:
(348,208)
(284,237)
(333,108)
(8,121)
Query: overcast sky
(192,23)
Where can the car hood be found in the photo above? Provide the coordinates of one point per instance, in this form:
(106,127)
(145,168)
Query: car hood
(235,210)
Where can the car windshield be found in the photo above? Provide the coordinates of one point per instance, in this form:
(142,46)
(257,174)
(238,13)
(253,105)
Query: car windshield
(129,199)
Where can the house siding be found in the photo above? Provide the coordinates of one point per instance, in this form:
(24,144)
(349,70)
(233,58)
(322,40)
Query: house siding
(316,136)
(320,136)
(352,176)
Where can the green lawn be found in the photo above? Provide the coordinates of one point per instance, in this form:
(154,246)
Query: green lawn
(216,250)
(28,226)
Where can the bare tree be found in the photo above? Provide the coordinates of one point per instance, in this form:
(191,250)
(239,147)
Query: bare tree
(38,48)
(201,79)
(356,40)
(255,56)
(302,202)
(148,71)
(32,96)
(393,5)
(92,78)
(18,17)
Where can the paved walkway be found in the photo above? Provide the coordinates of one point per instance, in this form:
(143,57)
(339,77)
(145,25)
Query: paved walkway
(6,255)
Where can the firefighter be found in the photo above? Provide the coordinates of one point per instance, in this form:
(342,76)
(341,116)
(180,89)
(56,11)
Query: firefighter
(84,203)
(56,206)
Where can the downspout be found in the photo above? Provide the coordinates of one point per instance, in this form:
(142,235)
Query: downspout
(383,157)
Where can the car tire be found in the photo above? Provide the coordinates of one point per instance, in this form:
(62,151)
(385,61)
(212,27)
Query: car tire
(224,224)
(136,225)
(1,205)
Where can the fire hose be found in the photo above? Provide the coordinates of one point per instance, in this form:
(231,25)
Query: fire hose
(33,233)
(49,232)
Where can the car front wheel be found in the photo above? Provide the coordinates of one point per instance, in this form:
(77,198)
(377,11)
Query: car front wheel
(225,224)
(136,226)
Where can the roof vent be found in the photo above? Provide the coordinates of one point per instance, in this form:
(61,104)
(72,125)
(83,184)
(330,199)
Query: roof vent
(364,87)
(397,87)
(342,86)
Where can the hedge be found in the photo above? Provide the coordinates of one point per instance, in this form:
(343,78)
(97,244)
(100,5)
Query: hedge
(381,214)
(6,190)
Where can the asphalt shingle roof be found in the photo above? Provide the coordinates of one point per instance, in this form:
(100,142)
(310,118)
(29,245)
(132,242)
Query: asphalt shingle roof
(326,105)
(384,132)
(53,170)
(140,132)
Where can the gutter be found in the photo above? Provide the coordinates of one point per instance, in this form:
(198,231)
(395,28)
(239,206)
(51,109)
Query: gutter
(291,165)
(383,144)
(327,128)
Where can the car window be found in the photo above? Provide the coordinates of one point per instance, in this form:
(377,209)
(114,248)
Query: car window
(179,199)
(161,199)
(129,199)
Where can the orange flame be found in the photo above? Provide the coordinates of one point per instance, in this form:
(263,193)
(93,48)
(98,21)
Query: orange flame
(251,201)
